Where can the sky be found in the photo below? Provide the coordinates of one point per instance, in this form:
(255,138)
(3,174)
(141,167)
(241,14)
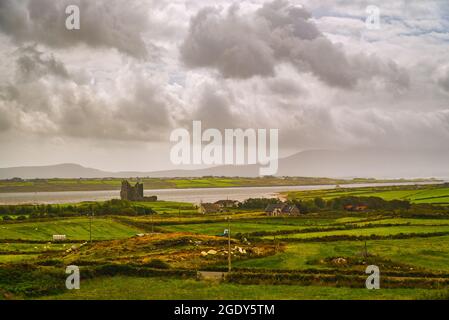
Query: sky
(109,94)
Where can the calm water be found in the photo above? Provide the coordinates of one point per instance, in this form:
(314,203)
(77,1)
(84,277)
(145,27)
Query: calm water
(184,195)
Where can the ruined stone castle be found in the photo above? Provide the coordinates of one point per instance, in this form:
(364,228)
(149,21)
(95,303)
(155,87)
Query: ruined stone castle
(130,193)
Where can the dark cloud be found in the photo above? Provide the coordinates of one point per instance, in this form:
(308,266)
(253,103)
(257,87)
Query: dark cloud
(226,43)
(43,99)
(104,23)
(285,87)
(443,81)
(247,45)
(215,108)
(5,121)
(33,64)
(140,114)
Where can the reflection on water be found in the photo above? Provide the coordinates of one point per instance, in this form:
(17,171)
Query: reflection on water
(184,195)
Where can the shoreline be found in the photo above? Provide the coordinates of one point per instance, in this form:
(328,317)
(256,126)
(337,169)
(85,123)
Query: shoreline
(287,185)
(187,195)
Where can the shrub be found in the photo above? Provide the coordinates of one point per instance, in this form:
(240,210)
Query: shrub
(257,203)
(157,264)
(320,203)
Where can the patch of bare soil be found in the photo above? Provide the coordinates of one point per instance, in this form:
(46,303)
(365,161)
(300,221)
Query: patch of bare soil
(177,250)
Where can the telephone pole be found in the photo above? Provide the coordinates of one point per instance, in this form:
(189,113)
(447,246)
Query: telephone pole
(275,245)
(90,224)
(152,222)
(366,251)
(229,244)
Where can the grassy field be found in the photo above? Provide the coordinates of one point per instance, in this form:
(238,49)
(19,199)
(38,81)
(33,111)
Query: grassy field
(435,194)
(238,217)
(380,231)
(20,252)
(170,207)
(428,253)
(13,258)
(156,289)
(31,248)
(236,227)
(405,221)
(74,229)
(51,185)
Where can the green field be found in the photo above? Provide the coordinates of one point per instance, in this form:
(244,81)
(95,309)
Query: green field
(123,288)
(428,253)
(74,229)
(413,222)
(170,207)
(31,248)
(11,258)
(380,231)
(240,227)
(435,194)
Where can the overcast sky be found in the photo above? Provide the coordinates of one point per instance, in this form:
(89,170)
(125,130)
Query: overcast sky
(109,94)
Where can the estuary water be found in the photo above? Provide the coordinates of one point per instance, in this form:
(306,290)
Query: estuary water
(195,195)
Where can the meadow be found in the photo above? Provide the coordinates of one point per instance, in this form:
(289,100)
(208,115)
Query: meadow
(219,227)
(74,229)
(429,253)
(318,255)
(379,231)
(433,194)
(136,288)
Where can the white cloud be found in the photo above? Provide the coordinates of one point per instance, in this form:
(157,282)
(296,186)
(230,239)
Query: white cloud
(243,46)
(112,23)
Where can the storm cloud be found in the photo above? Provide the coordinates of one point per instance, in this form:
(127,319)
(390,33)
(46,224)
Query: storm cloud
(247,45)
(43,98)
(105,23)
(33,64)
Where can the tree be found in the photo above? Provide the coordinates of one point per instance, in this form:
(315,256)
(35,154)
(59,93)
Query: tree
(257,203)
(320,202)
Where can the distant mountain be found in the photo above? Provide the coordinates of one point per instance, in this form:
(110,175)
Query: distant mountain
(313,163)
(66,170)
(341,164)
(367,163)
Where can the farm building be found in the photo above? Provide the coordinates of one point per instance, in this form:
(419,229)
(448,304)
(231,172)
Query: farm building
(282,209)
(206,208)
